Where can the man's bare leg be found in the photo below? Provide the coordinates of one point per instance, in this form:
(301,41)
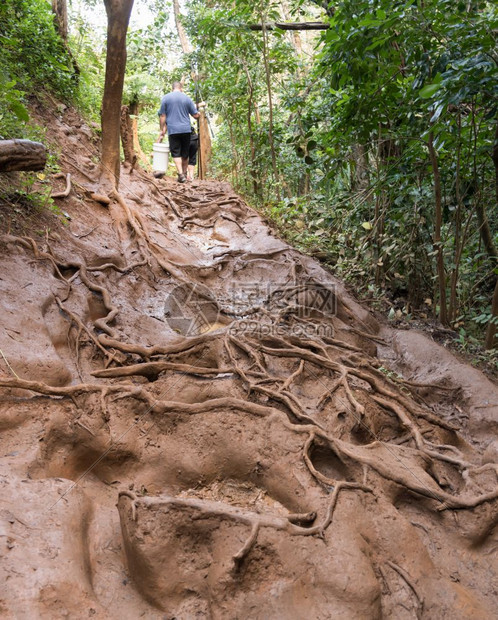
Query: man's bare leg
(178,161)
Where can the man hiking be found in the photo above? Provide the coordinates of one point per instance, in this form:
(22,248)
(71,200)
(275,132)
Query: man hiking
(174,117)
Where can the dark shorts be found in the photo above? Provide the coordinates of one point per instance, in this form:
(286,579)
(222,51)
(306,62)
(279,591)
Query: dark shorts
(179,144)
(192,154)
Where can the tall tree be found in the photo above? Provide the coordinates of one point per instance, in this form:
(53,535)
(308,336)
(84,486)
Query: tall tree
(182,35)
(118,17)
(59,7)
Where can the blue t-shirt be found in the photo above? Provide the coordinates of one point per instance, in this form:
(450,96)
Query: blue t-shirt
(178,107)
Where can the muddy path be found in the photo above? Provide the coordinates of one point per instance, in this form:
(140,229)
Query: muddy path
(198,421)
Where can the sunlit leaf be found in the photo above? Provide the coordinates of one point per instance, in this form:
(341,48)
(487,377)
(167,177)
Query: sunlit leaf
(427,91)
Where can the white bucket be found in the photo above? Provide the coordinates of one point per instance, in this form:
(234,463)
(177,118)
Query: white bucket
(160,155)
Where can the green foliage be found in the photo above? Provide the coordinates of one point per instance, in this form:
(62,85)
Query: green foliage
(231,60)
(32,52)
(148,71)
(88,48)
(351,129)
(13,112)
(33,59)
(440,76)
(29,195)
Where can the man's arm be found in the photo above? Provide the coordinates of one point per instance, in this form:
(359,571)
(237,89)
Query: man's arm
(192,109)
(162,127)
(200,106)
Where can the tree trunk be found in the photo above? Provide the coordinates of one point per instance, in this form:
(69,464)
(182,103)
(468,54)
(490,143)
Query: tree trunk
(235,155)
(484,229)
(22,155)
(142,157)
(459,242)
(270,111)
(303,184)
(254,173)
(250,105)
(494,157)
(182,35)
(303,181)
(380,209)
(438,246)
(359,176)
(118,17)
(491,331)
(59,7)
(127,135)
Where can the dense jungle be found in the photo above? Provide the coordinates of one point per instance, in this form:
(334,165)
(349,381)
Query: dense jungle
(269,392)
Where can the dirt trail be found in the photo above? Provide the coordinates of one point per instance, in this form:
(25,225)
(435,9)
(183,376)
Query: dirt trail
(200,422)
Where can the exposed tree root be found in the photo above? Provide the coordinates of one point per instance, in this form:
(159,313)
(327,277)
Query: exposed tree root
(67,191)
(11,370)
(335,400)
(255,520)
(397,469)
(66,390)
(152,370)
(109,356)
(182,346)
(404,575)
(420,442)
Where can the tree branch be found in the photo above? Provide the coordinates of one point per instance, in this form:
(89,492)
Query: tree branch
(290,26)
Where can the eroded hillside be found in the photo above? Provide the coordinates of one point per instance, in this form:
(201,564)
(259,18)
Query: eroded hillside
(198,421)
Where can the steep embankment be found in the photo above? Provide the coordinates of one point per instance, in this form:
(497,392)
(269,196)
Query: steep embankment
(198,420)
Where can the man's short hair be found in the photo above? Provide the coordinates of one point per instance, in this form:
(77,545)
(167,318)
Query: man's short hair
(177,84)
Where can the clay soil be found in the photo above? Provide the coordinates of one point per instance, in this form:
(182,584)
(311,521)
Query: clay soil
(198,421)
